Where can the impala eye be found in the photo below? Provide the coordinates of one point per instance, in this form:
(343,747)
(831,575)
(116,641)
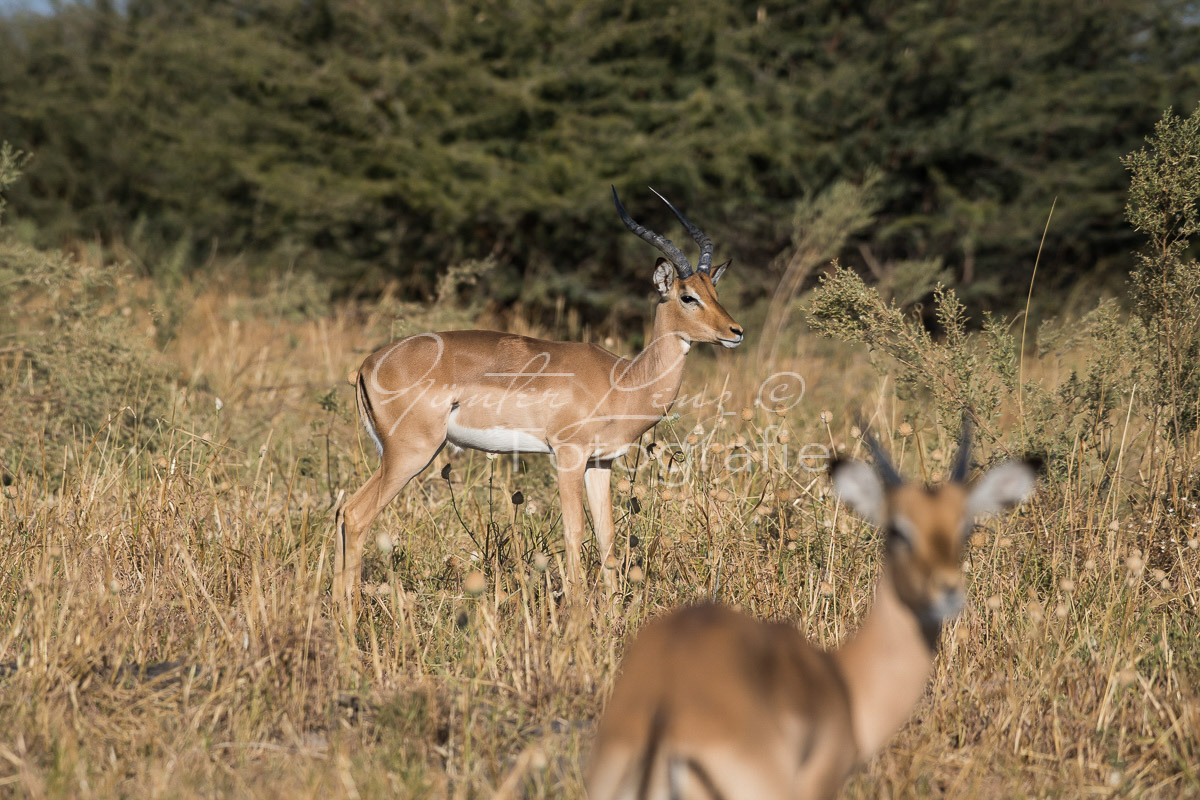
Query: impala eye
(687,299)
(900,532)
(897,541)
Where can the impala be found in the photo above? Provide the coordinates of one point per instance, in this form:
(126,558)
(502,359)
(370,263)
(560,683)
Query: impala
(503,393)
(713,704)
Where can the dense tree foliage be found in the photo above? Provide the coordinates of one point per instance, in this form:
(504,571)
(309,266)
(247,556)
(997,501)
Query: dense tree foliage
(363,137)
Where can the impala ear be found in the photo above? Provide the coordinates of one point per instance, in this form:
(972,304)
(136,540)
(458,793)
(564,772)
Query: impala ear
(861,489)
(664,277)
(1001,488)
(719,270)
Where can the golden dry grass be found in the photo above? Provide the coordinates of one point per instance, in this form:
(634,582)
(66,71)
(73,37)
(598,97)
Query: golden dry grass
(167,631)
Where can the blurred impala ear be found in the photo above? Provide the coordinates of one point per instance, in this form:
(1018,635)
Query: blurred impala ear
(860,488)
(1001,488)
(664,277)
(719,270)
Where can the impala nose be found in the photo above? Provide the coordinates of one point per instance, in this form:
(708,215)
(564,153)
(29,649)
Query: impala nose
(734,340)
(736,331)
(952,602)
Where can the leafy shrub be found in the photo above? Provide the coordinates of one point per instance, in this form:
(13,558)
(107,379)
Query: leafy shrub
(951,371)
(1164,205)
(1158,348)
(70,359)
(981,370)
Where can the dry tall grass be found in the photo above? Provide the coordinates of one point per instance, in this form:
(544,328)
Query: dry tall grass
(166,627)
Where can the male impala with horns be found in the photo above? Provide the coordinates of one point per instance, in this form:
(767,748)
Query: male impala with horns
(503,393)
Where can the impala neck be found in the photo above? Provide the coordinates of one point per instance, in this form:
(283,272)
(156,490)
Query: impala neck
(658,370)
(886,666)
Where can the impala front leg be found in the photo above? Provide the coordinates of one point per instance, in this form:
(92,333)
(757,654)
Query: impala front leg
(598,479)
(570,493)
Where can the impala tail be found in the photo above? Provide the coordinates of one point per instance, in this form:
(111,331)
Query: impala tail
(366,413)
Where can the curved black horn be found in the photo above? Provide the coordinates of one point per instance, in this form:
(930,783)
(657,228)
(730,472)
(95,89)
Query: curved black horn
(962,459)
(883,464)
(706,245)
(682,266)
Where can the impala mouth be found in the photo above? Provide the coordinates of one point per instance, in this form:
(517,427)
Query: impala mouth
(945,608)
(730,343)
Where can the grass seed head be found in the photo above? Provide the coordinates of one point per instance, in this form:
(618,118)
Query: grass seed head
(475,584)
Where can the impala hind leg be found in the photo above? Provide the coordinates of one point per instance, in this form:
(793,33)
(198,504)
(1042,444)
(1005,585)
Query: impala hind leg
(354,518)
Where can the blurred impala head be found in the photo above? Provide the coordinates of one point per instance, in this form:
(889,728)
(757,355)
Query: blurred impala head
(927,527)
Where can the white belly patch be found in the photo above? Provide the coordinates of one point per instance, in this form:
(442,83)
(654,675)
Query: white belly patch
(599,452)
(494,440)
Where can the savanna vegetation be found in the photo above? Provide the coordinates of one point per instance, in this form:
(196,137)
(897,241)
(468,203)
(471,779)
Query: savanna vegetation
(361,140)
(175,427)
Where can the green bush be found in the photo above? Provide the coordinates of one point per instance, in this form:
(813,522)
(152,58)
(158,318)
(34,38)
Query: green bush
(1164,205)
(71,362)
(377,139)
(1149,362)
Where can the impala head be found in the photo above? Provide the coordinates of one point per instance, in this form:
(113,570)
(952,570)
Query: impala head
(927,527)
(687,296)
